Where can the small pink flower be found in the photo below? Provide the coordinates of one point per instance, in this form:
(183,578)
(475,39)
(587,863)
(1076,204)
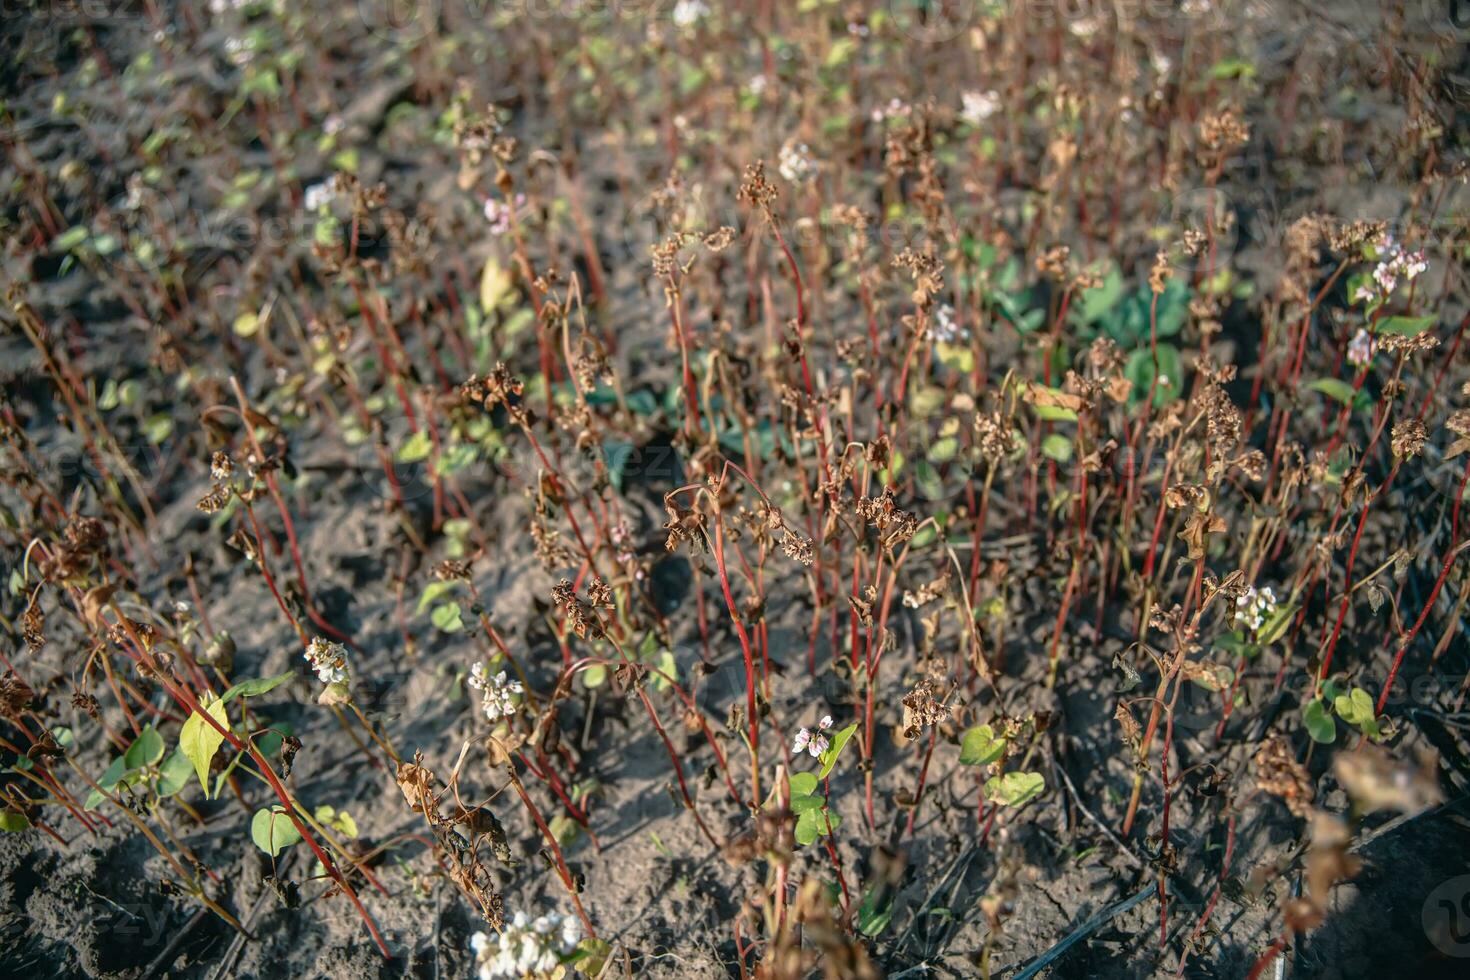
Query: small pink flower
(1361,349)
(813,742)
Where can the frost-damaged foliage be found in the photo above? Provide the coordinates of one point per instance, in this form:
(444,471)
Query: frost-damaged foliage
(752,489)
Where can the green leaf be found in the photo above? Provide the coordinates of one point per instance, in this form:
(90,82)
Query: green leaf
(841,50)
(446,617)
(456,457)
(174,774)
(117,774)
(272,830)
(199,740)
(1096,303)
(668,672)
(594,676)
(1275,627)
(416,449)
(591,956)
(943,450)
(642,402)
(495,285)
(1172,311)
(1320,724)
(801,804)
(70,239)
(814,823)
(433,592)
(1050,409)
(1014,788)
(981,747)
(803,783)
(834,749)
(872,917)
(146,749)
(12,822)
(1140,370)
(956,356)
(1057,447)
(158,428)
(256,687)
(1356,708)
(1334,388)
(1406,326)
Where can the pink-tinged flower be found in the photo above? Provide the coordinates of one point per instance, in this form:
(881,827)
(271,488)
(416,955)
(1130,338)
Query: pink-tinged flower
(1361,348)
(813,742)
(499,213)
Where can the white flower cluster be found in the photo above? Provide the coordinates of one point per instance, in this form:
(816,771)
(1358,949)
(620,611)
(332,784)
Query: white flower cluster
(319,196)
(795,162)
(1393,261)
(687,13)
(813,742)
(895,109)
(526,948)
(1255,606)
(328,659)
(979,106)
(239,51)
(497,698)
(1361,348)
(942,326)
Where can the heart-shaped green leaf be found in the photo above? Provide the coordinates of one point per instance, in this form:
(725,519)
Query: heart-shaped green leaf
(981,747)
(1014,788)
(199,740)
(273,831)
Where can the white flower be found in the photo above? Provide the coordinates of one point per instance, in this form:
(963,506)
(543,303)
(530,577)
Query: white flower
(332,124)
(319,196)
(895,109)
(979,106)
(526,948)
(238,52)
(328,659)
(942,326)
(1393,262)
(813,742)
(1084,27)
(795,162)
(757,85)
(498,699)
(1361,348)
(1161,62)
(1386,275)
(1254,606)
(687,13)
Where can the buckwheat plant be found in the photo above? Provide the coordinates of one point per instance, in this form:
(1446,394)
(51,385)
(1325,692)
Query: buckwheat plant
(499,697)
(526,947)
